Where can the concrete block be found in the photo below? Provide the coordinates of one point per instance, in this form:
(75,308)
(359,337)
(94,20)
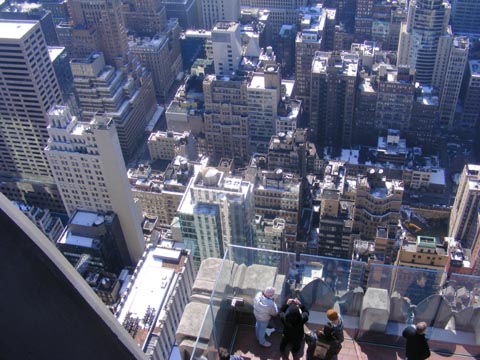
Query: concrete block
(375,310)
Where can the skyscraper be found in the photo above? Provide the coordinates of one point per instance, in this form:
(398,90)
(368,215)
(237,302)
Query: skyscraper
(28,89)
(88,167)
(464,216)
(465,15)
(333,89)
(471,105)
(214,11)
(107,18)
(104,89)
(452,56)
(427,21)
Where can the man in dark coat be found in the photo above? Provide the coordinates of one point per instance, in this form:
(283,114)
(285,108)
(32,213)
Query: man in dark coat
(293,315)
(417,347)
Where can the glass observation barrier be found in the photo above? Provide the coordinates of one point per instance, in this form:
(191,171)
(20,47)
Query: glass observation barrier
(375,301)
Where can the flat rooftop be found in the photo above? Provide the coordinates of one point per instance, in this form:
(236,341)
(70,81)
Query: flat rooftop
(15,30)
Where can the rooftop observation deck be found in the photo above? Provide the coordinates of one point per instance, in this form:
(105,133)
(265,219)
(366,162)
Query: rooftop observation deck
(376,303)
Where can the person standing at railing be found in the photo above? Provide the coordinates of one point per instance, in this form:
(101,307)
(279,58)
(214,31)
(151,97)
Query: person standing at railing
(264,308)
(417,346)
(293,316)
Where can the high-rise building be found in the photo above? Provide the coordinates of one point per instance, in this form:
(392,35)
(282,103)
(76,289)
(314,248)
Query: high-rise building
(471,105)
(424,130)
(396,90)
(226,118)
(32,12)
(464,17)
(160,193)
(162,56)
(214,11)
(363,20)
(336,214)
(287,151)
(216,211)
(264,94)
(464,215)
(452,56)
(278,194)
(333,90)
(104,89)
(377,203)
(365,107)
(427,21)
(310,39)
(145,18)
(74,322)
(188,12)
(89,169)
(227,47)
(28,90)
(108,20)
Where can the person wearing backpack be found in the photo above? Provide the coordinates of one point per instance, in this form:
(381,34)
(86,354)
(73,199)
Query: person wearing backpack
(322,344)
(417,346)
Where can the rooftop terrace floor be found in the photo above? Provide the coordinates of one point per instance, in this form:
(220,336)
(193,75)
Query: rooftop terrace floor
(247,346)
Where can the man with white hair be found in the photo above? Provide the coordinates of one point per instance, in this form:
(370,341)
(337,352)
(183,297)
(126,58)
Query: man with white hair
(264,308)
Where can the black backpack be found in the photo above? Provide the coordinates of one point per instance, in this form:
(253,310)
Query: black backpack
(326,347)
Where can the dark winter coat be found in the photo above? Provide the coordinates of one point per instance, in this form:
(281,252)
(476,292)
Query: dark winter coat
(417,346)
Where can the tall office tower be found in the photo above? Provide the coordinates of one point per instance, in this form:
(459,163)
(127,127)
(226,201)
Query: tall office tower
(427,21)
(471,94)
(464,17)
(160,193)
(309,40)
(385,241)
(464,216)
(282,12)
(188,12)
(32,12)
(145,18)
(162,56)
(363,20)
(452,56)
(287,151)
(285,48)
(269,235)
(28,89)
(396,91)
(345,11)
(377,203)
(387,19)
(424,130)
(88,166)
(226,118)
(227,47)
(214,11)
(74,322)
(366,104)
(59,9)
(278,194)
(103,89)
(333,89)
(336,214)
(108,20)
(216,211)
(264,96)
